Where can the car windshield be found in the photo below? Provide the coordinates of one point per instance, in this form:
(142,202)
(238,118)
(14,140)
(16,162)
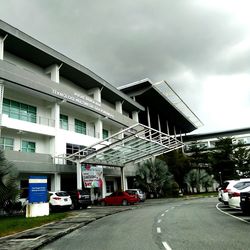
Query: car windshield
(61,194)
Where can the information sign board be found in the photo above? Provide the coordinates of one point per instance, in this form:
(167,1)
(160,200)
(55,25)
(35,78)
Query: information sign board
(38,189)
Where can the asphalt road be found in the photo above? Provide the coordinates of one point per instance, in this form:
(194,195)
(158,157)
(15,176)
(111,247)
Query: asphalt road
(182,225)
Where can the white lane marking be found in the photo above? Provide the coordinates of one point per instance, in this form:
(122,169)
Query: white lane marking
(172,207)
(166,211)
(162,215)
(158,230)
(217,206)
(165,244)
(159,221)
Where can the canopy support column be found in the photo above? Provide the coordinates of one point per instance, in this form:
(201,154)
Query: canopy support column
(122,179)
(79,175)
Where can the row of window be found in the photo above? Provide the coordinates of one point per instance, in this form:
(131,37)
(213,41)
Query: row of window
(8,144)
(80,126)
(24,112)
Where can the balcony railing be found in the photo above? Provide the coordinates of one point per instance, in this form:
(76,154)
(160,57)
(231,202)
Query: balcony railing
(31,118)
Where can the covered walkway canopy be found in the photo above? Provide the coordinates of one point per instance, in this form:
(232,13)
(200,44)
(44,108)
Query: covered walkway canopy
(131,145)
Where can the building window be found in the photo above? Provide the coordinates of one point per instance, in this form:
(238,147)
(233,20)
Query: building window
(64,124)
(105,133)
(19,110)
(80,127)
(109,186)
(6,143)
(28,146)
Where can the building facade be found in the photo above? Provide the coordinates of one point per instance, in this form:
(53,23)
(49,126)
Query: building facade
(52,107)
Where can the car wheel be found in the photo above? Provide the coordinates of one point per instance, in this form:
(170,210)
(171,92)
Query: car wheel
(124,202)
(103,203)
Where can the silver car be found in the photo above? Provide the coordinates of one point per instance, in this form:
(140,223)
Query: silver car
(141,195)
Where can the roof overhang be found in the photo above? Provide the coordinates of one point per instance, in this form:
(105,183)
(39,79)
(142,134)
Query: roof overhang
(32,50)
(129,146)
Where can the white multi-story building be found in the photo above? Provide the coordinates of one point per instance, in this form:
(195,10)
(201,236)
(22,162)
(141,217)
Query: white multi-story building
(52,107)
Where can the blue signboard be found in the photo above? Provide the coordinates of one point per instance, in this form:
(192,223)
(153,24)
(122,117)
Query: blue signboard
(38,189)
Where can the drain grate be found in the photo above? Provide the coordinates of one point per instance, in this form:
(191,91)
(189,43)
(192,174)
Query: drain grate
(28,237)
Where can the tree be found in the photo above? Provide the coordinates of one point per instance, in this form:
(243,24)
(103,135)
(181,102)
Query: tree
(241,157)
(8,177)
(179,165)
(222,159)
(197,178)
(152,176)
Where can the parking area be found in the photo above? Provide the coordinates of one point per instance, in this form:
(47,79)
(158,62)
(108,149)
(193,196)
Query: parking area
(236,213)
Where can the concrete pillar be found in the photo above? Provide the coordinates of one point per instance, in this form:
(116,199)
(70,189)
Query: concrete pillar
(98,128)
(1,101)
(135,116)
(159,123)
(148,117)
(96,92)
(118,107)
(122,179)
(2,46)
(79,175)
(55,114)
(53,70)
(56,182)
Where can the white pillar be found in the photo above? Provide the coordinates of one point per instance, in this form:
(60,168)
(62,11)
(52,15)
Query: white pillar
(98,128)
(96,92)
(56,182)
(79,175)
(118,106)
(122,179)
(55,113)
(1,101)
(2,47)
(159,123)
(53,70)
(135,116)
(148,117)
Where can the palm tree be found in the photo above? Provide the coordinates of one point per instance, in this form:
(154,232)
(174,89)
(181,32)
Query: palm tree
(197,178)
(152,176)
(8,177)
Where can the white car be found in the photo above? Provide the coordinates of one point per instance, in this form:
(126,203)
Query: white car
(141,195)
(234,194)
(223,190)
(59,200)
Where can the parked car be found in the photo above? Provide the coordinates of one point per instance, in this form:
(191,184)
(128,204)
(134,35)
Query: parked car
(80,198)
(223,190)
(59,200)
(245,202)
(234,194)
(141,195)
(119,198)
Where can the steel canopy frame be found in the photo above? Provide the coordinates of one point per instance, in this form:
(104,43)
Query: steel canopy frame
(129,146)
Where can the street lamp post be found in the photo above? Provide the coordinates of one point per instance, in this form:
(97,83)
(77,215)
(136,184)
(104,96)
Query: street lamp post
(220,178)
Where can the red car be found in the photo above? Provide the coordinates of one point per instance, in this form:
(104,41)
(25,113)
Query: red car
(119,198)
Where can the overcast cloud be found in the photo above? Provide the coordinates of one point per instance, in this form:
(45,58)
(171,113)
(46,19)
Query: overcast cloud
(200,47)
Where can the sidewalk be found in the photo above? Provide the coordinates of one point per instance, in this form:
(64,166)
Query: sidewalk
(37,237)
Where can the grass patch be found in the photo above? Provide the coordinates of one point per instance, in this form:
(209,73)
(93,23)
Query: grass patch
(14,224)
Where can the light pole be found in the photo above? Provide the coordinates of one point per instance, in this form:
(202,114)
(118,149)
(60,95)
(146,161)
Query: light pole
(220,178)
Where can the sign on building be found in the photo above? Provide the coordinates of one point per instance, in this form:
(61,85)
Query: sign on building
(92,176)
(38,189)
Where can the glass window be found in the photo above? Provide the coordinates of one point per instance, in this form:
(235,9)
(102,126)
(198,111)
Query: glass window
(6,143)
(64,124)
(80,127)
(105,133)
(28,146)
(19,110)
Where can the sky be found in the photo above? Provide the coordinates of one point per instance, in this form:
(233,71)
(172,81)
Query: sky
(200,48)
